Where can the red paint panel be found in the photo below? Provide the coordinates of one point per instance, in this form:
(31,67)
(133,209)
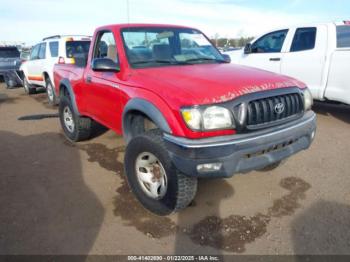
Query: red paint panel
(167,88)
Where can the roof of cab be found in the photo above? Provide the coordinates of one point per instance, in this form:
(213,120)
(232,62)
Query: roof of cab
(122,26)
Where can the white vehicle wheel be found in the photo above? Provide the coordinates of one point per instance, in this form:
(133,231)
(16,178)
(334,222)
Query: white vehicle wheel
(151,175)
(68,119)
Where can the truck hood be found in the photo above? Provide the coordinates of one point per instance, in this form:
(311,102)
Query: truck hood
(208,83)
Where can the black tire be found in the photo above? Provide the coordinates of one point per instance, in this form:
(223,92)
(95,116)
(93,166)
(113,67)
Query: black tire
(9,82)
(82,125)
(181,189)
(271,167)
(27,87)
(50,92)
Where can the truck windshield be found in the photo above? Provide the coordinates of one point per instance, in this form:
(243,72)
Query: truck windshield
(153,47)
(9,52)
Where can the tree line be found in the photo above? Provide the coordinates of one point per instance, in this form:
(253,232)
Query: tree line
(231,42)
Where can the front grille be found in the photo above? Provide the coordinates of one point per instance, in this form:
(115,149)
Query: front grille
(265,111)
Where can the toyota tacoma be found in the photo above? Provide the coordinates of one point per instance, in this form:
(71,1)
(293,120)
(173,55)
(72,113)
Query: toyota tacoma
(185,112)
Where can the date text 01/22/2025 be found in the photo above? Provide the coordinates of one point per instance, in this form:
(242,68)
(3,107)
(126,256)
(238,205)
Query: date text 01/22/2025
(174,258)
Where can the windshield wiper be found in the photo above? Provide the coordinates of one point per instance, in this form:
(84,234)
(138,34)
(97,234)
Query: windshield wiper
(160,62)
(205,59)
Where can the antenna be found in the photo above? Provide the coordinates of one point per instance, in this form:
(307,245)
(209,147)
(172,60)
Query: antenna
(128,11)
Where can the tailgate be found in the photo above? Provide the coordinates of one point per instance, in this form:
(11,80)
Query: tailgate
(9,63)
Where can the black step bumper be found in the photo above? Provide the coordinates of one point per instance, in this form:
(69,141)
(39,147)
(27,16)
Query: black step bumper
(241,153)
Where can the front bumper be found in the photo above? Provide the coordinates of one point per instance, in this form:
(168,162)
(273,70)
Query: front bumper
(242,153)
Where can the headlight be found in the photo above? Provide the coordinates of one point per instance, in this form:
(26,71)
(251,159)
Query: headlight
(210,118)
(308,100)
(216,117)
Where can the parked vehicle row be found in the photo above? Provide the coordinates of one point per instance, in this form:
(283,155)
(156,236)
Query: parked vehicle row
(184,111)
(38,70)
(318,54)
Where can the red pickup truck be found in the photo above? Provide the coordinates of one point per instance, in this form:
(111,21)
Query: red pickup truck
(184,111)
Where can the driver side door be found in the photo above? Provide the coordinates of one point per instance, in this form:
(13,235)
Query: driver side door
(102,87)
(266,52)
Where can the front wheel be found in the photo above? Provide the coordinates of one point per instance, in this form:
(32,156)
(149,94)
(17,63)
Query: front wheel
(153,178)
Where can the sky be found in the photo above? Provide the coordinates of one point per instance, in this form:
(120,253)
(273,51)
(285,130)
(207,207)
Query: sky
(31,20)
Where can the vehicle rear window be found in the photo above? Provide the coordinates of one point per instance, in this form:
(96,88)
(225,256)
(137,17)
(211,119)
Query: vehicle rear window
(343,36)
(11,52)
(304,39)
(77,47)
(54,49)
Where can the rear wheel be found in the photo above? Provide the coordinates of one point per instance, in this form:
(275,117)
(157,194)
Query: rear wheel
(76,128)
(50,91)
(9,82)
(27,87)
(153,178)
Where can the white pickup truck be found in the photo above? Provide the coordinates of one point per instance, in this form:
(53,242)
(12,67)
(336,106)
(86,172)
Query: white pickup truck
(317,54)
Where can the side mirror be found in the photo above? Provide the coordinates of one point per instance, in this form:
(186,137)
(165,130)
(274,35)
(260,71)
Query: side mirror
(104,64)
(248,49)
(227,58)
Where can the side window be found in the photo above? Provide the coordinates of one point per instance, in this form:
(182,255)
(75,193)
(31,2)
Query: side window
(304,39)
(35,52)
(343,36)
(105,47)
(270,43)
(53,49)
(42,51)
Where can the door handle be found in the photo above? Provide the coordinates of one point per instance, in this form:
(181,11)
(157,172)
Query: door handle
(275,59)
(88,79)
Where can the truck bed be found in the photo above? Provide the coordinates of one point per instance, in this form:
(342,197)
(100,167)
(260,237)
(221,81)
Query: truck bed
(338,85)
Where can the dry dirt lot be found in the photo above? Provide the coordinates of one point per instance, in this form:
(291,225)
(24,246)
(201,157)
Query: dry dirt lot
(60,198)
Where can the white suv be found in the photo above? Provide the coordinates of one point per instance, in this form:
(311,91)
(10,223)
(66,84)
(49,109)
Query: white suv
(38,70)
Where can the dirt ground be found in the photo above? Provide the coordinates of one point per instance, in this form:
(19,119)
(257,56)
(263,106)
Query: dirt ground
(60,198)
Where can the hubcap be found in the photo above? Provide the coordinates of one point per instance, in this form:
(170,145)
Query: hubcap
(68,119)
(49,91)
(151,175)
